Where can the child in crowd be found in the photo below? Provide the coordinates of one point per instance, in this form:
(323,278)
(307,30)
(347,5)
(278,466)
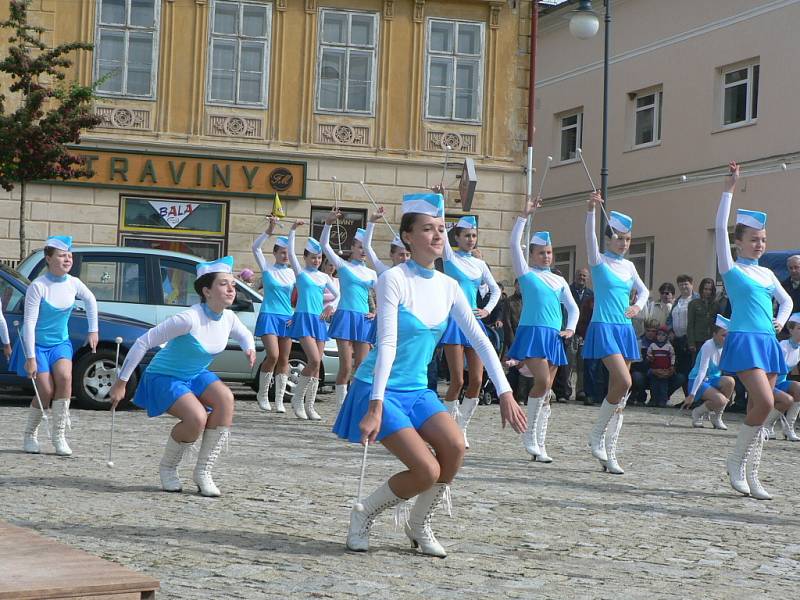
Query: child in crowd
(661,359)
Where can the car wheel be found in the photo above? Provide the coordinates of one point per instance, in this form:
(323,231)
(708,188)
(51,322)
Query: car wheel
(92,378)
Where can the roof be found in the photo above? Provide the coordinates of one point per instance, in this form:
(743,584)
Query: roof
(549,6)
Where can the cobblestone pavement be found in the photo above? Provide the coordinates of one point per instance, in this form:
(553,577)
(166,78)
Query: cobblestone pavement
(669,528)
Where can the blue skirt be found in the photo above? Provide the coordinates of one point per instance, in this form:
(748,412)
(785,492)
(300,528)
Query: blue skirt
(272,324)
(746,350)
(352,326)
(605,339)
(157,392)
(308,325)
(46,357)
(454,336)
(784,385)
(708,383)
(533,341)
(401,409)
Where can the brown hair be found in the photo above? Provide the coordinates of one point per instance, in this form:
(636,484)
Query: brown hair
(204,281)
(49,250)
(406,225)
(739,230)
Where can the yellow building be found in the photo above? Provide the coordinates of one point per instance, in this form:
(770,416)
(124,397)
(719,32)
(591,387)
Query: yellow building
(211,107)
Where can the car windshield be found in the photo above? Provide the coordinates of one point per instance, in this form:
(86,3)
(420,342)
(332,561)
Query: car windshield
(14,274)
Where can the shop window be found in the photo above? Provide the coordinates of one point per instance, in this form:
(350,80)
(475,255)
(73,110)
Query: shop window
(342,232)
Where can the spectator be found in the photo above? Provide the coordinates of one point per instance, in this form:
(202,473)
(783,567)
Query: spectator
(656,309)
(562,386)
(701,315)
(513,312)
(792,285)
(678,323)
(580,291)
(662,376)
(640,369)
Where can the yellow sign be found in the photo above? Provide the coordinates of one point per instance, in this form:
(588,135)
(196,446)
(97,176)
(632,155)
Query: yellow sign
(193,173)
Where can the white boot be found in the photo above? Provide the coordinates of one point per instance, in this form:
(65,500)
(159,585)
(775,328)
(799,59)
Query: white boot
(341,394)
(612,437)
(541,433)
(769,425)
(716,419)
(361,521)
(698,414)
(280,390)
(311,398)
(264,381)
(168,467)
(597,435)
(210,448)
(60,423)
(418,529)
(757,491)
(303,382)
(30,442)
(468,406)
(529,438)
(788,423)
(737,459)
(452,408)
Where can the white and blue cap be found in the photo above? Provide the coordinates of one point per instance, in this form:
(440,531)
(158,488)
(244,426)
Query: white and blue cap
(425,204)
(620,222)
(541,238)
(794,318)
(360,235)
(467,222)
(751,218)
(221,265)
(722,322)
(398,242)
(313,246)
(59,242)
(282,242)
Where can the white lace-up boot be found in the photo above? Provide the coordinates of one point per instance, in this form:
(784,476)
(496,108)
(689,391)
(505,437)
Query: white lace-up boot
(30,442)
(303,382)
(530,437)
(280,390)
(418,529)
(210,448)
(541,433)
(361,520)
(168,467)
(311,398)
(737,459)
(60,423)
(612,437)
(465,413)
(716,419)
(699,414)
(341,394)
(769,425)
(757,491)
(264,381)
(597,435)
(788,423)
(452,409)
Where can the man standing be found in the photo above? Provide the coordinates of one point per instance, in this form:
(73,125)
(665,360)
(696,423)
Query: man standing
(580,292)
(792,283)
(678,321)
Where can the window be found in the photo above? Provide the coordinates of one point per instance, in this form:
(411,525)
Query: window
(641,255)
(177,283)
(114,279)
(564,261)
(346,73)
(343,231)
(126,45)
(239,53)
(740,94)
(454,70)
(12,300)
(571,127)
(647,118)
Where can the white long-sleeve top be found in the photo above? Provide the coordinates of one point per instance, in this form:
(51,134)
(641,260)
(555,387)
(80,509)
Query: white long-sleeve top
(377,263)
(355,277)
(59,295)
(538,307)
(706,365)
(470,273)
(278,279)
(311,283)
(3,328)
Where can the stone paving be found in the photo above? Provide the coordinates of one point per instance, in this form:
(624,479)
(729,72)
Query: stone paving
(669,528)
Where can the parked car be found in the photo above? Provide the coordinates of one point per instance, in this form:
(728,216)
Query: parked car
(92,374)
(152,285)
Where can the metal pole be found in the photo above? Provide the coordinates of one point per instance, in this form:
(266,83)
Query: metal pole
(604,164)
(532,105)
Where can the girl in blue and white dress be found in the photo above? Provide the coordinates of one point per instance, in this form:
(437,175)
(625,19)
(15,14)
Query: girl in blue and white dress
(276,312)
(308,323)
(44,352)
(787,392)
(389,400)
(539,339)
(177,381)
(352,324)
(610,336)
(398,253)
(751,348)
(470,273)
(709,390)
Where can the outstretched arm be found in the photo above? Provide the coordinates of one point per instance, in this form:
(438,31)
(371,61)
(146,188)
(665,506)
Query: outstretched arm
(257,253)
(518,261)
(592,247)
(379,265)
(173,327)
(325,242)
(724,256)
(292,256)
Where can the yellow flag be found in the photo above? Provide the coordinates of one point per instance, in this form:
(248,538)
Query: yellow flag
(277,207)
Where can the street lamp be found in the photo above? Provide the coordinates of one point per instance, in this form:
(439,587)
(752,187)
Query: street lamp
(583,23)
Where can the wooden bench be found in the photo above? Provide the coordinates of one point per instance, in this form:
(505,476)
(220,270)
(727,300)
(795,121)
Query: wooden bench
(33,566)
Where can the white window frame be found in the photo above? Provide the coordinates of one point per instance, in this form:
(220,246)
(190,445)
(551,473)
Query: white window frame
(348,47)
(649,259)
(724,87)
(578,137)
(429,54)
(127,29)
(658,99)
(570,264)
(238,38)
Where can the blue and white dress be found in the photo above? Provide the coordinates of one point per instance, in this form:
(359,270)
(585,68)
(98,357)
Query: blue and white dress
(610,331)
(276,309)
(791,354)
(414,306)
(193,338)
(311,284)
(543,293)
(706,372)
(751,341)
(379,266)
(470,273)
(350,320)
(49,302)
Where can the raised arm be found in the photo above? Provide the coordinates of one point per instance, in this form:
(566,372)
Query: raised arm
(257,253)
(90,303)
(292,256)
(722,245)
(592,247)
(379,265)
(518,261)
(175,326)
(325,242)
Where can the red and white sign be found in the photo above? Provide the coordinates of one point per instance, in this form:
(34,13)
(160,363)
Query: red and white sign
(173,212)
